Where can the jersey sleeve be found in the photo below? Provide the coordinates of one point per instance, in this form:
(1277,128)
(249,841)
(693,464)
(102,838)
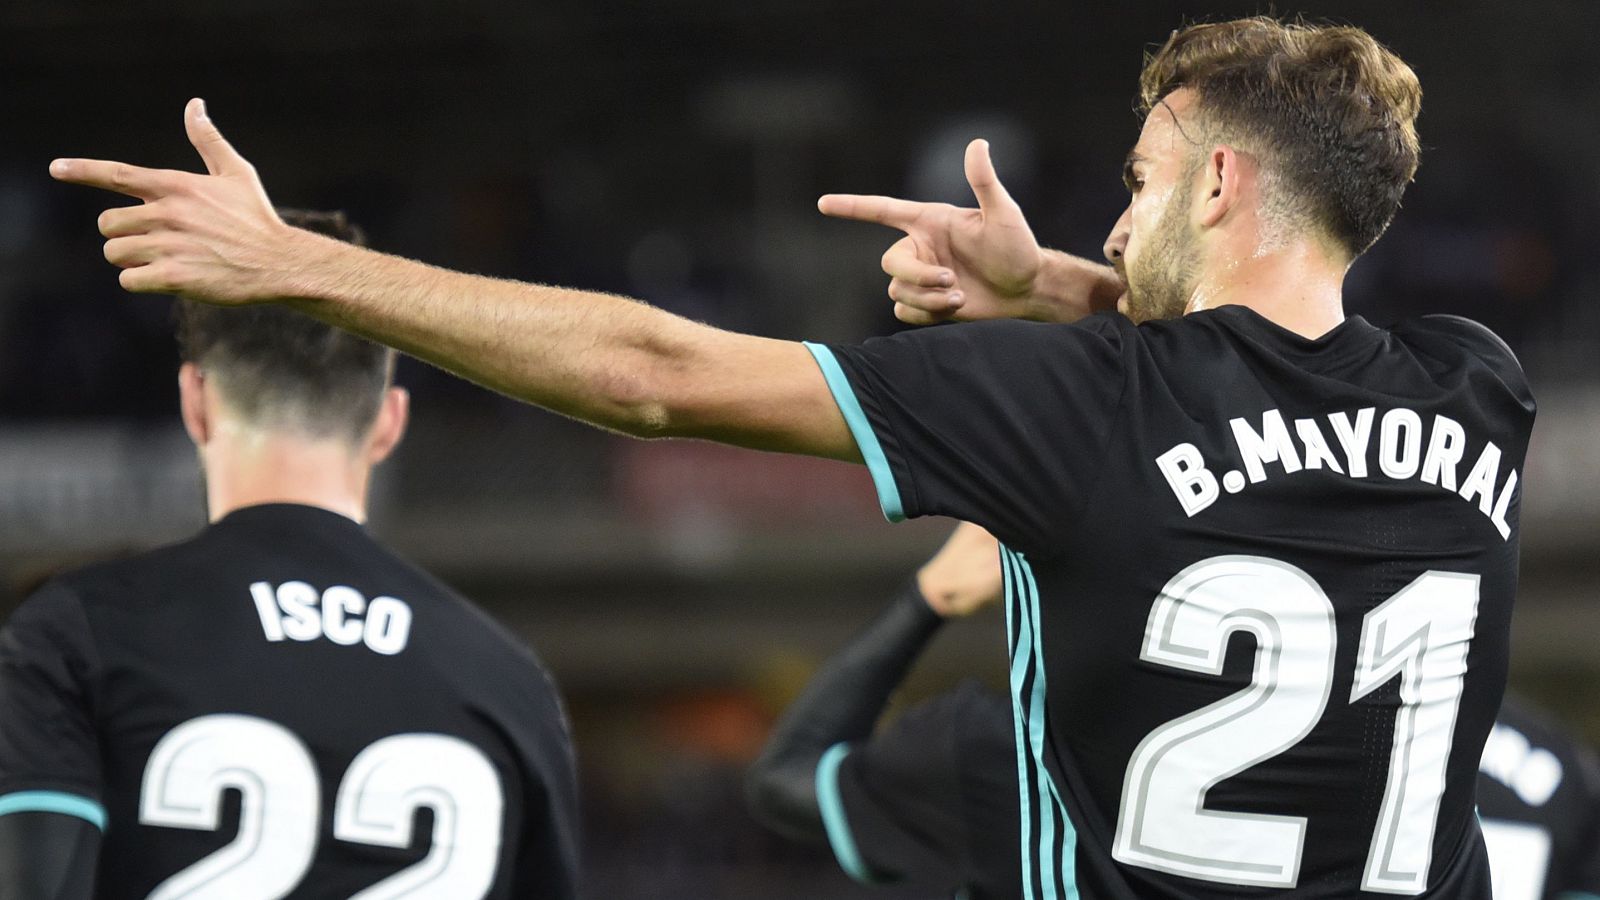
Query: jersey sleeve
(999,423)
(49,752)
(892,805)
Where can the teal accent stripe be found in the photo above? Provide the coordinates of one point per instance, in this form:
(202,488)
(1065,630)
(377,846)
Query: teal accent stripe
(1021,656)
(55,802)
(866,439)
(1022,616)
(1577,895)
(834,820)
(1069,834)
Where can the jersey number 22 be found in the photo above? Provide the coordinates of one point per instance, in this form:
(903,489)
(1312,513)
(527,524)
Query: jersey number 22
(280,814)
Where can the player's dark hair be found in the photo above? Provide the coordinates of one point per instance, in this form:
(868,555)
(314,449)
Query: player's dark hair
(1333,110)
(280,369)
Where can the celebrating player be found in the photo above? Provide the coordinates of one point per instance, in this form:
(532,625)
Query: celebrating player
(1261,556)
(267,709)
(931,799)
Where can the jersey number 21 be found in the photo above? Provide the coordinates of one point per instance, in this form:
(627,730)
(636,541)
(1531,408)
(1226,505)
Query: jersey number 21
(1421,634)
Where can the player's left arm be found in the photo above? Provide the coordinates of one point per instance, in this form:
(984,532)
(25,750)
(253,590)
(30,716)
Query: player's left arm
(605,359)
(51,816)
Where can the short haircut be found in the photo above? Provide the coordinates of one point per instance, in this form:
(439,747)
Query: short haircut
(1331,111)
(281,370)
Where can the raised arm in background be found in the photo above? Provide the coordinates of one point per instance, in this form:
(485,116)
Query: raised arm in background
(607,360)
(843,701)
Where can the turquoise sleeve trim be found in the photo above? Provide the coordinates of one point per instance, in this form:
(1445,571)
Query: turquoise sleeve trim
(55,802)
(1577,895)
(861,430)
(833,816)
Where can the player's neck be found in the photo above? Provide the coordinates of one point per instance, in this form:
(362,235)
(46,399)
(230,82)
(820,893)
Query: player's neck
(1295,286)
(249,467)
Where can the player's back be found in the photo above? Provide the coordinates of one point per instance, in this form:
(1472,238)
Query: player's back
(1276,637)
(285,708)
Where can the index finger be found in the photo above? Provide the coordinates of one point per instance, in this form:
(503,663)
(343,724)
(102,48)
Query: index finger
(891,211)
(134,181)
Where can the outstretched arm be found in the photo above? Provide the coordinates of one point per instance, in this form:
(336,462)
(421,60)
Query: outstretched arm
(961,264)
(843,700)
(608,360)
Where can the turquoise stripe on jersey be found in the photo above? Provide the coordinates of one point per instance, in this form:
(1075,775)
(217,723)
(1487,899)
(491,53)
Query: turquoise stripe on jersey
(1021,656)
(866,439)
(834,820)
(1069,834)
(55,802)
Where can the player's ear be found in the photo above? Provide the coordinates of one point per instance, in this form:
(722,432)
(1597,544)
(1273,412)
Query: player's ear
(192,403)
(1221,182)
(390,425)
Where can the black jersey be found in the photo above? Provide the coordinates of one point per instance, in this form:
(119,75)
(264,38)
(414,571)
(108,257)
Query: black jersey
(935,793)
(931,798)
(1258,585)
(1539,800)
(280,707)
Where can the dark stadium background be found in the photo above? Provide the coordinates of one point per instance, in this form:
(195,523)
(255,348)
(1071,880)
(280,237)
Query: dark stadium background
(674,150)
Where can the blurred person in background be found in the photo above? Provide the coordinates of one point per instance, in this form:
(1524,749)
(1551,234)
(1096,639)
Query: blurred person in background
(1539,800)
(1234,455)
(931,798)
(279,706)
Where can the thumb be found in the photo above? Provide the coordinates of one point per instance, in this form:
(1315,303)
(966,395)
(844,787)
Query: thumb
(986,186)
(219,156)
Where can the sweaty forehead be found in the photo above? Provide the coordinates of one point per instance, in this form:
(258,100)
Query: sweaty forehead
(1163,134)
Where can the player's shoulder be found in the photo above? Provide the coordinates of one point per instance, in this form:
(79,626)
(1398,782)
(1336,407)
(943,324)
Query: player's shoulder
(1456,340)
(123,578)
(1019,335)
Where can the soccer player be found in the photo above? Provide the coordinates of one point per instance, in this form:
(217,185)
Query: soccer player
(279,706)
(1260,557)
(931,798)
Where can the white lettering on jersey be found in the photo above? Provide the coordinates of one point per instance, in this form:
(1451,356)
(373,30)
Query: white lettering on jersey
(1186,471)
(1532,773)
(1402,437)
(1271,445)
(294,610)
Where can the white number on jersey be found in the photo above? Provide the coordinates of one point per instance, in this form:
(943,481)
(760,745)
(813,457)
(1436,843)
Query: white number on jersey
(280,813)
(1519,859)
(1421,634)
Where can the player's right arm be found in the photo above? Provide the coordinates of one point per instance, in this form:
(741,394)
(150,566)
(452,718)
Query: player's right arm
(607,360)
(969,264)
(51,816)
(998,423)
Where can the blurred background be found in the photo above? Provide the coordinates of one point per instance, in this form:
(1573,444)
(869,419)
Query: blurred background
(673,151)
